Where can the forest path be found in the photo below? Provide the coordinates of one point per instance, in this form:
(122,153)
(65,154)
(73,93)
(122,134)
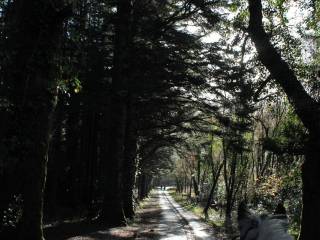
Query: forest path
(160,217)
(182,224)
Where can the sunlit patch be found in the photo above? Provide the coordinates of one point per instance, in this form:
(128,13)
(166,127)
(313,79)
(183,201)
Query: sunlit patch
(121,232)
(81,238)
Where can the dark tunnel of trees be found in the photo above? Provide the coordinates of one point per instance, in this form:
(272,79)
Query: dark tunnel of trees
(99,99)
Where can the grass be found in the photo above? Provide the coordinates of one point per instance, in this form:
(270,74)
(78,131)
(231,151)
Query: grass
(216,220)
(294,231)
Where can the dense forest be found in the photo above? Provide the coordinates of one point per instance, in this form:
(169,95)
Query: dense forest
(102,100)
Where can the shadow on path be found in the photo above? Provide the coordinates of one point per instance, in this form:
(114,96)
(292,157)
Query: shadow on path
(145,223)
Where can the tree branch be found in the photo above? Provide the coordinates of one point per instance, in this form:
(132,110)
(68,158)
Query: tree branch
(305,106)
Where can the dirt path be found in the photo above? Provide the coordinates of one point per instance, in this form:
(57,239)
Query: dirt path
(159,218)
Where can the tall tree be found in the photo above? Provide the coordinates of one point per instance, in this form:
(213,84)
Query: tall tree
(306,108)
(34,33)
(112,210)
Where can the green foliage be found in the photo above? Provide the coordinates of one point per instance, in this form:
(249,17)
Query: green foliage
(292,190)
(70,85)
(280,187)
(290,138)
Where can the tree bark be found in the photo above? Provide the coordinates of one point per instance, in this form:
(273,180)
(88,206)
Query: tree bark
(215,179)
(88,156)
(310,226)
(195,186)
(142,190)
(73,150)
(129,166)
(55,164)
(112,213)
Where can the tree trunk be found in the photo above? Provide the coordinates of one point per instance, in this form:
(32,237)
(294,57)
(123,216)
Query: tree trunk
(195,186)
(228,206)
(185,183)
(113,206)
(310,226)
(215,179)
(198,169)
(73,150)
(55,165)
(190,187)
(112,213)
(35,160)
(129,166)
(88,156)
(142,186)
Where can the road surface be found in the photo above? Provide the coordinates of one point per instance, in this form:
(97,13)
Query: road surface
(179,224)
(160,218)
